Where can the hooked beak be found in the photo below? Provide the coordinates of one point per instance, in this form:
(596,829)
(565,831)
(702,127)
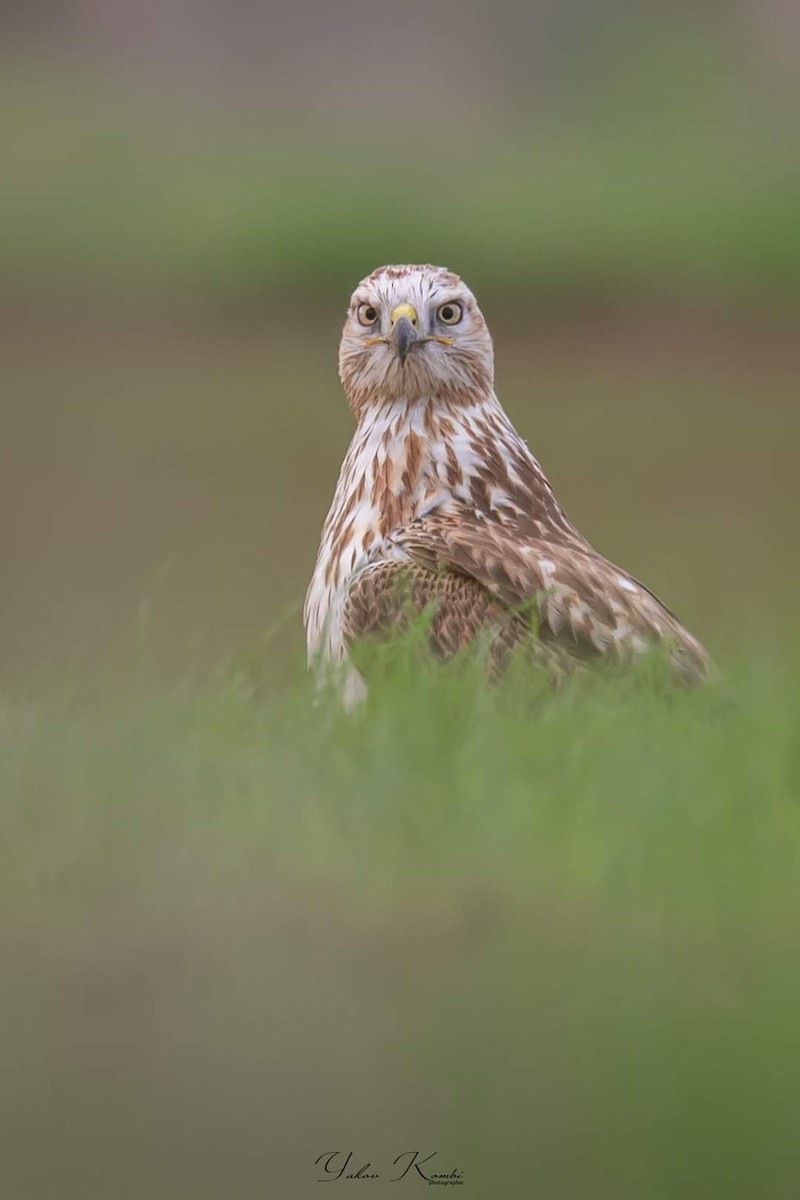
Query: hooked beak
(404,332)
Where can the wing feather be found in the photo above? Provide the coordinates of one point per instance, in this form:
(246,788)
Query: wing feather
(386,594)
(483,574)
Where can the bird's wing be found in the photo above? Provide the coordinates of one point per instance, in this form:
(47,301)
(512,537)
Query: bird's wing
(479,571)
(461,610)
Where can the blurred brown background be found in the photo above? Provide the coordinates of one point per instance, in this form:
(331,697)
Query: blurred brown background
(191,192)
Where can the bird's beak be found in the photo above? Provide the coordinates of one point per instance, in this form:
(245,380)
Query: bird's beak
(405,329)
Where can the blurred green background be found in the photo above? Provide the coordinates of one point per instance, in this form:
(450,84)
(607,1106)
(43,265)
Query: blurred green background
(560,949)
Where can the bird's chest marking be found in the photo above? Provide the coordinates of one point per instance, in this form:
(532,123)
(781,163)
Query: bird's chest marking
(403,480)
(406,464)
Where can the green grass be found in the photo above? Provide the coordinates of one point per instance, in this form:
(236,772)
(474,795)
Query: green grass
(553,937)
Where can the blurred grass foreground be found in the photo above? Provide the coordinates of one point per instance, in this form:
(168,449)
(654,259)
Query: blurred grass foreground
(553,939)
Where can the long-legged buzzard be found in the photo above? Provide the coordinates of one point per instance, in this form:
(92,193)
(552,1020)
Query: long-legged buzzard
(441,505)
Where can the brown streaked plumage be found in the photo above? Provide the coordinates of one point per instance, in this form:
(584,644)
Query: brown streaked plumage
(385,595)
(440,504)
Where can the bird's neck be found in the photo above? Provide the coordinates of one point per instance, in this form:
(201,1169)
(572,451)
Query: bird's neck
(410,458)
(413,456)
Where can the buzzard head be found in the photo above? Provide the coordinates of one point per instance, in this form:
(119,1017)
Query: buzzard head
(414,333)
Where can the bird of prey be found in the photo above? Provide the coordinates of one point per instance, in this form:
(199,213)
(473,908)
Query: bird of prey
(440,506)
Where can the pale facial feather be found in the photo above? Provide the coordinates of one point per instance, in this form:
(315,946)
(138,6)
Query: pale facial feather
(372,373)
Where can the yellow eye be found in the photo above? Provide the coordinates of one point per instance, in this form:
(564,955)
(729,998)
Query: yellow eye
(450,314)
(367,314)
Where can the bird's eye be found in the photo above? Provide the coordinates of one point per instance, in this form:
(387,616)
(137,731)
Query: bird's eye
(450,314)
(367,314)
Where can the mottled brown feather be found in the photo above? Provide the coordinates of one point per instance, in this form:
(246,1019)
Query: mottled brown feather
(386,596)
(483,575)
